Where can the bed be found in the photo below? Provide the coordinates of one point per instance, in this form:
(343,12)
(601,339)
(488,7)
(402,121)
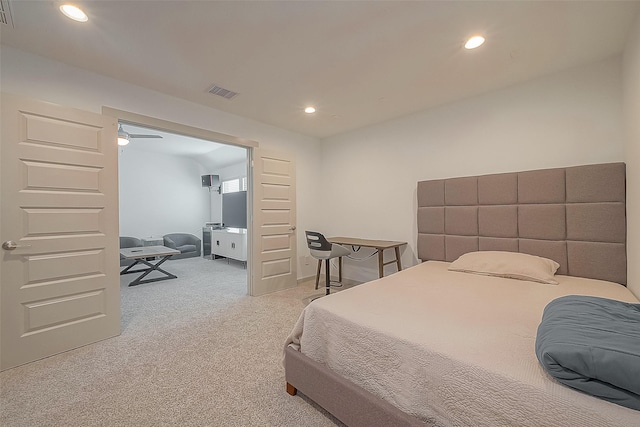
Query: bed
(430,346)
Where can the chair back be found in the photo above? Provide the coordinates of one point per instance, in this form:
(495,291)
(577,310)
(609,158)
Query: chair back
(180,239)
(317,242)
(130,242)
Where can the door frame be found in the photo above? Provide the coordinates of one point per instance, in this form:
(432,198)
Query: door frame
(206,135)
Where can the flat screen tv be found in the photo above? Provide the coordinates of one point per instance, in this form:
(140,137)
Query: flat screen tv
(234,209)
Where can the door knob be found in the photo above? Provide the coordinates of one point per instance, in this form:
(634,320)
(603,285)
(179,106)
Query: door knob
(292,228)
(10,245)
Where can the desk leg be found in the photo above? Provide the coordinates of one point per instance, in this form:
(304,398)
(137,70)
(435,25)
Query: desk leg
(318,273)
(398,258)
(340,269)
(380,263)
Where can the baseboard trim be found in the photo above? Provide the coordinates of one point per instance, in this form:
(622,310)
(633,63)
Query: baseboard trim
(304,279)
(348,282)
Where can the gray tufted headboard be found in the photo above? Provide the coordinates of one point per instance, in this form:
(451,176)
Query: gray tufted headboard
(575,216)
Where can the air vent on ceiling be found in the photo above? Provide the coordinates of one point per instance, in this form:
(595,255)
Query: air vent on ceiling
(5,13)
(225,93)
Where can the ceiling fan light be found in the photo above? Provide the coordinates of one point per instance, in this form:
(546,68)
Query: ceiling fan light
(123,136)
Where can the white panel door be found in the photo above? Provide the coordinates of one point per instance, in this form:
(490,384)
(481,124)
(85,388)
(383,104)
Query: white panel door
(60,286)
(274,231)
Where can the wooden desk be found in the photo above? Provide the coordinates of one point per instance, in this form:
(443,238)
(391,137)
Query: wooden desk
(378,245)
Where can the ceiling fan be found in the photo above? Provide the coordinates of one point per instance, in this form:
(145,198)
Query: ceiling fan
(124,137)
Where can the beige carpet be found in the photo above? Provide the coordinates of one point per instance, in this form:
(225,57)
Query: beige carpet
(194,351)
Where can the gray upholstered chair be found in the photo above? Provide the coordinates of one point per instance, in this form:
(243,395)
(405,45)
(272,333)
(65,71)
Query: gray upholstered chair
(321,249)
(129,242)
(188,244)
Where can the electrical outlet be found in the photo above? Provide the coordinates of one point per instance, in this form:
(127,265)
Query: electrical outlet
(307,260)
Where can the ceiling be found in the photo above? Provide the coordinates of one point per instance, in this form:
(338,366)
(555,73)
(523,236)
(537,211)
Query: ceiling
(211,155)
(357,62)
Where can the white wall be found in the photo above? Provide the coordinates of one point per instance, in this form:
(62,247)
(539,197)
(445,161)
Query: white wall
(37,77)
(369,176)
(160,194)
(363,183)
(237,170)
(631,85)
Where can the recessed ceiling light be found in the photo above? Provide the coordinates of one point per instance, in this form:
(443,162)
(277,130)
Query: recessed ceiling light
(74,12)
(310,110)
(474,42)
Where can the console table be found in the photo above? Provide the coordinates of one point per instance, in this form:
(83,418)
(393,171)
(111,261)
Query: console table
(229,243)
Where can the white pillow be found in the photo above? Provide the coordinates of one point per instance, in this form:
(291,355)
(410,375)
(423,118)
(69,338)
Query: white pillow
(513,265)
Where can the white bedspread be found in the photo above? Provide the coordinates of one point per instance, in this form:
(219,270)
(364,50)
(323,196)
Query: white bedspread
(454,348)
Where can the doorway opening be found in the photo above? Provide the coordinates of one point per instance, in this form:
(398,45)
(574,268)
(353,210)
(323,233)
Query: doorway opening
(163,190)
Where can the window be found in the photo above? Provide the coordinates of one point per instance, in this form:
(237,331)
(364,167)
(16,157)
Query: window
(234,185)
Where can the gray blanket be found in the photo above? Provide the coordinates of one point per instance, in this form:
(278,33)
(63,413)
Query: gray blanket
(593,345)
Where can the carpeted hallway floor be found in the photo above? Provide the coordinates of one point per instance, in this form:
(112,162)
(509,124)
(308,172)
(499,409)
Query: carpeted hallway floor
(194,351)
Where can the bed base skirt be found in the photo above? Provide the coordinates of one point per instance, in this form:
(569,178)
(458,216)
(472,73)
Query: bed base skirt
(346,401)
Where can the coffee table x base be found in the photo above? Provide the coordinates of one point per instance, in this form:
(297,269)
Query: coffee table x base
(142,256)
(146,271)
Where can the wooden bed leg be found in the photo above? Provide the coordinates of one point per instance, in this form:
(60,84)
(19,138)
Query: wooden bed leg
(291,390)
